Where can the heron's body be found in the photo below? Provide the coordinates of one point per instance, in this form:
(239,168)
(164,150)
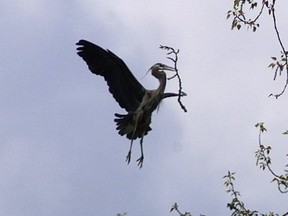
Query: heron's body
(137,124)
(127,91)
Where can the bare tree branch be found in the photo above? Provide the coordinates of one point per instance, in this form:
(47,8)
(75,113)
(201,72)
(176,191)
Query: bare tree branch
(174,60)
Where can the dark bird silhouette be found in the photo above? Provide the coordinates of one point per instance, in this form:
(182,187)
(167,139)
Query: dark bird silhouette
(127,91)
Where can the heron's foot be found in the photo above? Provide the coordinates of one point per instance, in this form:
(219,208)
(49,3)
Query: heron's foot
(140,161)
(128,157)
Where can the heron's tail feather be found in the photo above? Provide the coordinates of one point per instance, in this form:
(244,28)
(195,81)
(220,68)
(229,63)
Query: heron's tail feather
(126,125)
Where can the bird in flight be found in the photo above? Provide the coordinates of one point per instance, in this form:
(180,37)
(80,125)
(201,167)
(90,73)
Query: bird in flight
(127,91)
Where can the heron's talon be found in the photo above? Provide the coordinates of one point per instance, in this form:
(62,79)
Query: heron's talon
(140,161)
(128,157)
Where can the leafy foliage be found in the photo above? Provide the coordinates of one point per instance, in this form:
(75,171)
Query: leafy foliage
(239,18)
(263,160)
(236,205)
(175,207)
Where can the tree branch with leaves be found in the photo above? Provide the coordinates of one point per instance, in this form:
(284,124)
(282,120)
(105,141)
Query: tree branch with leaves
(240,18)
(263,160)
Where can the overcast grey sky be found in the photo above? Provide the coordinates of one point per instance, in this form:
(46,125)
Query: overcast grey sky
(60,153)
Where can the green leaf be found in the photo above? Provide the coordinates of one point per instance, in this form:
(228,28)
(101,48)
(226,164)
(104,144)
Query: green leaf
(272,65)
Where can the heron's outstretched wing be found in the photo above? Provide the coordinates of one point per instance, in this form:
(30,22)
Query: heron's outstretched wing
(124,87)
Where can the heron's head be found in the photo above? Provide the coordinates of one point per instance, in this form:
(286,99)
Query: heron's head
(158,69)
(162,67)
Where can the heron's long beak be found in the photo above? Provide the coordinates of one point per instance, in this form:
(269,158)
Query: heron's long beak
(166,67)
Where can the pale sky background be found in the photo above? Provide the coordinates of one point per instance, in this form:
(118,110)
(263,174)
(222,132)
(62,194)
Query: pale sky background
(59,151)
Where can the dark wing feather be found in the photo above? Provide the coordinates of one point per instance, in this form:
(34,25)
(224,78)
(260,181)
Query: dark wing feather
(124,87)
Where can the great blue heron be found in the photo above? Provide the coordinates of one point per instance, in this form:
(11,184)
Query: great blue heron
(127,91)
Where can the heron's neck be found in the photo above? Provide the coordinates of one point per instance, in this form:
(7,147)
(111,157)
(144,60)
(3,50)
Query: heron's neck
(162,82)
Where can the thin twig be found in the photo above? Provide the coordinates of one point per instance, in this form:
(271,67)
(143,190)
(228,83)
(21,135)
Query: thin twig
(175,59)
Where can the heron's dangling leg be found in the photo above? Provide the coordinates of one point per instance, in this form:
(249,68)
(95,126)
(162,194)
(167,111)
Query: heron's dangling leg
(141,159)
(128,157)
